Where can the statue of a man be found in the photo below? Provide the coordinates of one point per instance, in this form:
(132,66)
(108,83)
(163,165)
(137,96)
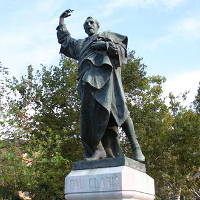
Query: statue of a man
(103,108)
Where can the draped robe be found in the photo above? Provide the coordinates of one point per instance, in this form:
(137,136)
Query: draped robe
(100,88)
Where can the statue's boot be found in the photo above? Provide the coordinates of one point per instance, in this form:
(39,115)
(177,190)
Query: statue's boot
(138,155)
(128,128)
(99,153)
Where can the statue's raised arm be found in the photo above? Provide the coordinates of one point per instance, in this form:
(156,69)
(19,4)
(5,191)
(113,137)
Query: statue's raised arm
(64,15)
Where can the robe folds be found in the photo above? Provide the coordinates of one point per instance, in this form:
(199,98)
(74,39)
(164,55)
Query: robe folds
(100,88)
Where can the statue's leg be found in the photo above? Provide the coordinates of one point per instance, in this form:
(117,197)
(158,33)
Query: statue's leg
(111,140)
(115,142)
(99,153)
(128,128)
(94,120)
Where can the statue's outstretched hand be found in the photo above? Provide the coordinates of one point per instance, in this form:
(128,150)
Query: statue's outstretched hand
(66,13)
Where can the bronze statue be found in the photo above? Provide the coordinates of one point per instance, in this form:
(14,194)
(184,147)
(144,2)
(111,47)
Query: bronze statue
(103,107)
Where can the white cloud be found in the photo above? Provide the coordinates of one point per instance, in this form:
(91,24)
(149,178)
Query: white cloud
(178,84)
(30,37)
(33,44)
(157,42)
(158,4)
(144,3)
(171,3)
(48,7)
(182,31)
(188,28)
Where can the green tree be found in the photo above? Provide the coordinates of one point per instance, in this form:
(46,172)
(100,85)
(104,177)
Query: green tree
(197,101)
(43,118)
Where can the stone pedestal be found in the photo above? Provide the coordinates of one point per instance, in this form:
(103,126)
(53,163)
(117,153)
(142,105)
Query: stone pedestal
(121,178)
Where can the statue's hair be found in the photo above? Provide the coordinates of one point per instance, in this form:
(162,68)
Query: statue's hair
(94,20)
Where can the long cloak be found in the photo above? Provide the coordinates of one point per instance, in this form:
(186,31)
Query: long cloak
(100,88)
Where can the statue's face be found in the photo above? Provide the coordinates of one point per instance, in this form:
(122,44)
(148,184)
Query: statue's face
(91,27)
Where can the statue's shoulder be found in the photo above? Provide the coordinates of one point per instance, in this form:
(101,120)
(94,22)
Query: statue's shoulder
(114,36)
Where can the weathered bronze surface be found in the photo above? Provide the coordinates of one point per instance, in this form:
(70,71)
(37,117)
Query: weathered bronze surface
(103,106)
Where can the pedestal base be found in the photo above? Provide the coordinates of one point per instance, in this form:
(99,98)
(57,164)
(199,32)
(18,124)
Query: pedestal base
(109,183)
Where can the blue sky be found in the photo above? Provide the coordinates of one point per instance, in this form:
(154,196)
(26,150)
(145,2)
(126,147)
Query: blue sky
(166,33)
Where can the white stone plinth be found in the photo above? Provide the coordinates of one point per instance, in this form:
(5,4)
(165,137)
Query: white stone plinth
(109,183)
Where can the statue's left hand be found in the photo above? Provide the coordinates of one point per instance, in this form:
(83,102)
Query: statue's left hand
(66,13)
(99,46)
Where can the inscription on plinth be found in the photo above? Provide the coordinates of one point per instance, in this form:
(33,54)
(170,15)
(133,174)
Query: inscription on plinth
(104,182)
(88,183)
(76,184)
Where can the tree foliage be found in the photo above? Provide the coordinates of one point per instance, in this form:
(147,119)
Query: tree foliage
(197,101)
(40,119)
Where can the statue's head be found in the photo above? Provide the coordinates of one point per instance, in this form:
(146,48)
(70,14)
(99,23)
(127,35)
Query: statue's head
(91,26)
